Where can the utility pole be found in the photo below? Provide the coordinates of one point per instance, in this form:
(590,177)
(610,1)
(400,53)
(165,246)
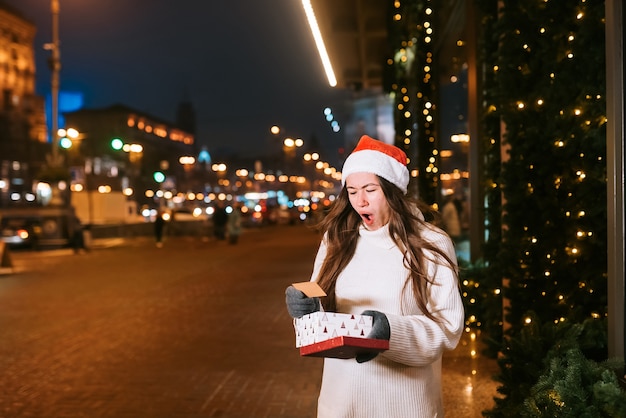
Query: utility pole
(55,68)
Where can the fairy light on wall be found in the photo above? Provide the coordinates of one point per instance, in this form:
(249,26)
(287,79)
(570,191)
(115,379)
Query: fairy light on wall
(415,110)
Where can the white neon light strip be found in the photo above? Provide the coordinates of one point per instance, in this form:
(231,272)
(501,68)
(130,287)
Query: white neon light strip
(319,42)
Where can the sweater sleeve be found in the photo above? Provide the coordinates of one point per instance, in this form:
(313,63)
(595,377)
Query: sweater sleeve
(417,340)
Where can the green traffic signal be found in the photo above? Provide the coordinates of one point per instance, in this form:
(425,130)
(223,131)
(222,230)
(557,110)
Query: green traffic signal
(65,143)
(158,176)
(117,144)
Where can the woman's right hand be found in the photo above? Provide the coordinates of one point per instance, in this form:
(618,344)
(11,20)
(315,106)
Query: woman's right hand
(299,304)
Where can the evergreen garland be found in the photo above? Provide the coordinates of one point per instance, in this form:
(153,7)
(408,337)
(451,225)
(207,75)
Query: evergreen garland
(572,385)
(554,181)
(546,86)
(576,387)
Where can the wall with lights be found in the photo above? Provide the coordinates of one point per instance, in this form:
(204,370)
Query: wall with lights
(411,85)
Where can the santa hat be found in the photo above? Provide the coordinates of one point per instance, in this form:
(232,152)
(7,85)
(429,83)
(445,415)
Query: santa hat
(377,157)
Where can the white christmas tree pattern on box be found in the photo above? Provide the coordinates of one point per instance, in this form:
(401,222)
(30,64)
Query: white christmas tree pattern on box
(322,326)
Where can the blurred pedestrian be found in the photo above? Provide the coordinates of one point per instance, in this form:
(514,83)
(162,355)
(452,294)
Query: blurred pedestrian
(220,218)
(234,224)
(76,234)
(462,206)
(451,218)
(379,257)
(159,226)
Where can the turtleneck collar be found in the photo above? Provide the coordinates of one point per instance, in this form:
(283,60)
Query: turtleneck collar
(379,237)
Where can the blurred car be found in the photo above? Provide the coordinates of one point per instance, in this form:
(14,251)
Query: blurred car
(282,215)
(188,214)
(20,232)
(251,219)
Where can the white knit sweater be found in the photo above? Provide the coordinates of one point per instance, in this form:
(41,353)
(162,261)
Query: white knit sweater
(404,381)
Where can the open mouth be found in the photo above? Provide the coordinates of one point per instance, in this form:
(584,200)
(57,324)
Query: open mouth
(368,219)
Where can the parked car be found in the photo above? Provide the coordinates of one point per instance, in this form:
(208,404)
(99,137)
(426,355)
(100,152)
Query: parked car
(20,232)
(188,214)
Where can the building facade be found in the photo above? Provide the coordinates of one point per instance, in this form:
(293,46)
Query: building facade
(22,119)
(118,149)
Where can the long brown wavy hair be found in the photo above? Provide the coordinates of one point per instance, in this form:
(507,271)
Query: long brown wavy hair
(341,226)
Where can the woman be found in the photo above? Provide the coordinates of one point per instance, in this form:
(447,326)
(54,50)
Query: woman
(379,257)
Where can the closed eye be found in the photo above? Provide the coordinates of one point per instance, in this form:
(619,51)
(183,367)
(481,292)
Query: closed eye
(369,188)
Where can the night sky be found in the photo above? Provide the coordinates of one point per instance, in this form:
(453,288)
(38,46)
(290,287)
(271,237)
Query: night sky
(244,64)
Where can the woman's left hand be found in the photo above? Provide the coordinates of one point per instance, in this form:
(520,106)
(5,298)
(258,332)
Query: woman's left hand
(380,331)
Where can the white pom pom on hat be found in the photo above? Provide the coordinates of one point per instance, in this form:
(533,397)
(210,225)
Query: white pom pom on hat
(376,157)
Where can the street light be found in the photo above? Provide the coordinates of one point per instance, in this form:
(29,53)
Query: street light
(134,151)
(219,168)
(291,143)
(220,171)
(186,161)
(311,156)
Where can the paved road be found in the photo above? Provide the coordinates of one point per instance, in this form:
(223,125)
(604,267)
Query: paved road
(193,329)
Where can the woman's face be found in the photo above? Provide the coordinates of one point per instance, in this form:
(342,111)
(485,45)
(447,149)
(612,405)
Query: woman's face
(368,200)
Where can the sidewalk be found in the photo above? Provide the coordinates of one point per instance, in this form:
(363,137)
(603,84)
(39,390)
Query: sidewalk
(193,329)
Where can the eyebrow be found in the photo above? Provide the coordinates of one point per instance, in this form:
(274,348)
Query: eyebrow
(365,186)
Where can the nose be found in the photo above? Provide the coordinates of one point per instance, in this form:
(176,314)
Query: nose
(361,198)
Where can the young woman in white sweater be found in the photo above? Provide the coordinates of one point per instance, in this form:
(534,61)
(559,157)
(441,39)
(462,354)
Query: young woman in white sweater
(379,257)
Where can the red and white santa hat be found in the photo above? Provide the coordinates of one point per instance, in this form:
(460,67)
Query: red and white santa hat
(377,157)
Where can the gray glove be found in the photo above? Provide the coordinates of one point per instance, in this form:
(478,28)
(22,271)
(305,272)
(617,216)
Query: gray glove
(298,304)
(380,331)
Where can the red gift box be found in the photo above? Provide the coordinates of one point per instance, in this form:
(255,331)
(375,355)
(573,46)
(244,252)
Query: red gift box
(344,347)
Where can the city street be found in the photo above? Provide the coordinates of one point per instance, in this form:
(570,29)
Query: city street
(193,329)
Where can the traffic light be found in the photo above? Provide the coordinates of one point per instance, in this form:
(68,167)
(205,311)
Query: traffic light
(158,176)
(117,144)
(65,143)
